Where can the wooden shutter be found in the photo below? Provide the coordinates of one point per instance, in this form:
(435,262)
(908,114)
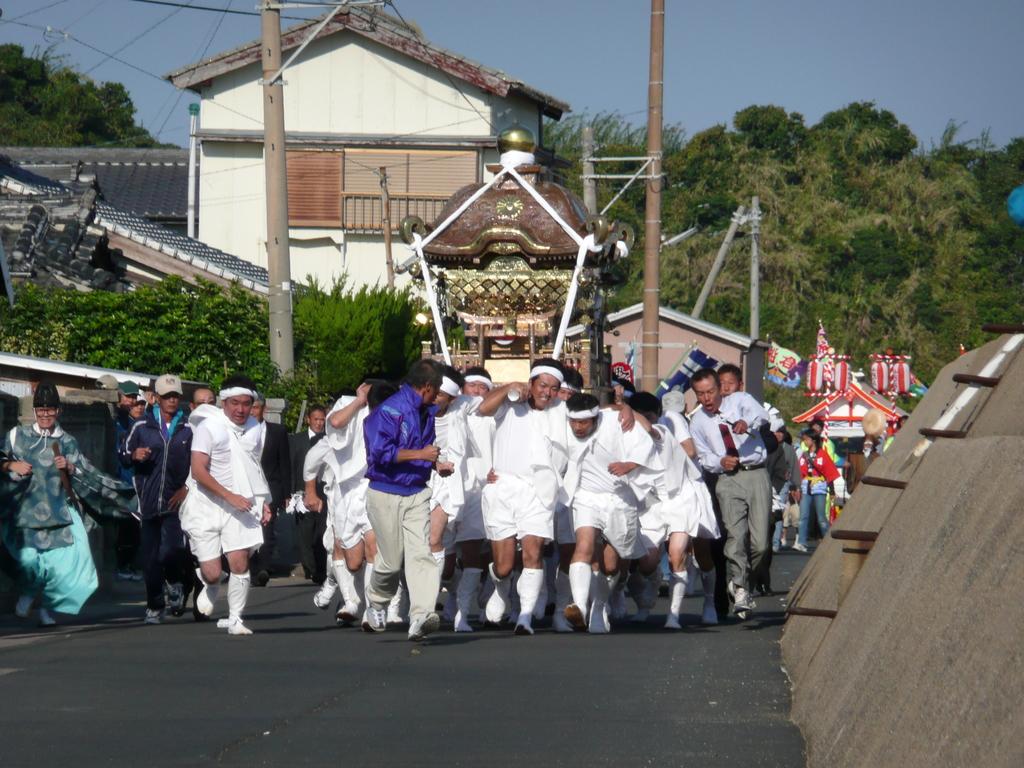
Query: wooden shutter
(440,174)
(314,189)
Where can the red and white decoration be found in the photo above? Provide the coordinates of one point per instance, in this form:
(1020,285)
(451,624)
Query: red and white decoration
(891,374)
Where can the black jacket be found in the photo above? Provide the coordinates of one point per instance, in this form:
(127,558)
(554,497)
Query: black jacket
(300,443)
(166,470)
(276,463)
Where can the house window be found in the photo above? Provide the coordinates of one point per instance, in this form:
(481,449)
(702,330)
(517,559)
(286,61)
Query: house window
(342,188)
(314,189)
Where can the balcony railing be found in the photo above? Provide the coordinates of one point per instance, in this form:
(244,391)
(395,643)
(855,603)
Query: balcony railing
(363,213)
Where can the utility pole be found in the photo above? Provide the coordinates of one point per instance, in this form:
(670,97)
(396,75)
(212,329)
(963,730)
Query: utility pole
(755,267)
(652,215)
(709,282)
(589,182)
(282,348)
(190,217)
(385,223)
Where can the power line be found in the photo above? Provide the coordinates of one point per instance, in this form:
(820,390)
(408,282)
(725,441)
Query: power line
(212,9)
(38,10)
(134,39)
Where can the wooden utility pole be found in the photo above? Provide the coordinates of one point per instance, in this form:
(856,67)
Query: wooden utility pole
(282,348)
(755,267)
(385,223)
(589,182)
(709,282)
(652,215)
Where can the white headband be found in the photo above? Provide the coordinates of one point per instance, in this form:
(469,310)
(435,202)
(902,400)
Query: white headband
(449,387)
(569,387)
(236,392)
(593,413)
(537,370)
(476,377)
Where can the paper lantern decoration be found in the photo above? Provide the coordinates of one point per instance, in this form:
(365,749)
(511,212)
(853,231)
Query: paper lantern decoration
(899,377)
(841,376)
(880,375)
(816,376)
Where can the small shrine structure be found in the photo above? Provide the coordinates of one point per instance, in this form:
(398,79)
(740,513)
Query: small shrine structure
(843,410)
(512,262)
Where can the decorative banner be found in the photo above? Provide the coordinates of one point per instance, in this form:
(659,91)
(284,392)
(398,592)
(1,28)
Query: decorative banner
(623,371)
(692,363)
(917,387)
(824,353)
(784,366)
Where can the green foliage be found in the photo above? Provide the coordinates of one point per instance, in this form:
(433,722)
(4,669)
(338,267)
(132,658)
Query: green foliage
(887,244)
(205,333)
(43,103)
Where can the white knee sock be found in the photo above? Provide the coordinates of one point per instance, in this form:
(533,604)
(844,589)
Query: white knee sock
(498,603)
(579,582)
(238,593)
(212,590)
(346,582)
(678,591)
(530,582)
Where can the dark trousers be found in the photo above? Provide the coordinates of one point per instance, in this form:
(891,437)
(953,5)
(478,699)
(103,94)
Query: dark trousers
(718,553)
(164,557)
(265,555)
(127,543)
(312,555)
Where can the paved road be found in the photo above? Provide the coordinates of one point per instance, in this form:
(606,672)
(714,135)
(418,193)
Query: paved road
(302,692)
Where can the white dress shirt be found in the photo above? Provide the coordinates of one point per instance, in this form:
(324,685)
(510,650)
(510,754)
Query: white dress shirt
(707,435)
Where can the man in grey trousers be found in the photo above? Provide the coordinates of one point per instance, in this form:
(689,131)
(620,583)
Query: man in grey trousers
(728,445)
(400,455)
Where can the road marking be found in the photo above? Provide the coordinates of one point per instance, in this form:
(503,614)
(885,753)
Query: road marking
(7,670)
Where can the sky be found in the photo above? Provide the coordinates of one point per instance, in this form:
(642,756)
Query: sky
(929,61)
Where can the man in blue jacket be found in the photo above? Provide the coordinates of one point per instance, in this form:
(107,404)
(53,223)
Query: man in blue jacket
(159,448)
(400,454)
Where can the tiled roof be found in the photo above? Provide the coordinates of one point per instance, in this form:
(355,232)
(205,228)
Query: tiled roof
(70,250)
(150,182)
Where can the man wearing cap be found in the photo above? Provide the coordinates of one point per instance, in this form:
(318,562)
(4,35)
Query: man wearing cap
(47,475)
(729,447)
(228,499)
(127,530)
(159,449)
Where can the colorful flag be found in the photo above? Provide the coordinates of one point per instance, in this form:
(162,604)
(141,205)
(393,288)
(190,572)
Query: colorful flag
(824,352)
(784,366)
(917,387)
(692,363)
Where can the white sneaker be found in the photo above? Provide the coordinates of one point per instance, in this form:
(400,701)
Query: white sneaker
(710,616)
(347,614)
(672,621)
(741,598)
(46,618)
(21,610)
(461,624)
(599,624)
(234,626)
(561,624)
(375,619)
(798,547)
(420,628)
(153,616)
(324,595)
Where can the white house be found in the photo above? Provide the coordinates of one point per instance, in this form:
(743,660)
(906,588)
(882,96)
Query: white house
(367,93)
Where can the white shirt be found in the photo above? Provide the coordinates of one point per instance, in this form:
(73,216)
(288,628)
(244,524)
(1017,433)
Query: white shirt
(707,435)
(589,459)
(211,437)
(677,424)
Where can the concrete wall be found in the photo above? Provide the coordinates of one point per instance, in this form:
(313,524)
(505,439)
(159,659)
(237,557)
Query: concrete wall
(922,665)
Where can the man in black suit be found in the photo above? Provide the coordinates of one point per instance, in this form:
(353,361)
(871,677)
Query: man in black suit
(310,525)
(277,468)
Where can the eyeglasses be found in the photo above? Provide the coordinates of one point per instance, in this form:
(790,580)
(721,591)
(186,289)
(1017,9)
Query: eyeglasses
(45,411)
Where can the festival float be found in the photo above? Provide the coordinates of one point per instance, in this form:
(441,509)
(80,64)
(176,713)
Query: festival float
(512,262)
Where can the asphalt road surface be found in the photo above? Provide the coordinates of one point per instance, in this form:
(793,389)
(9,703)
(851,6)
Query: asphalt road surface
(302,692)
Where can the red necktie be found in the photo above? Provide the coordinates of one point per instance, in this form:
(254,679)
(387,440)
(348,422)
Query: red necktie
(730,444)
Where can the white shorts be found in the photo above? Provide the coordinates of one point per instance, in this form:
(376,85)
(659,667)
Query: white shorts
(469,525)
(213,530)
(617,519)
(441,496)
(347,517)
(653,526)
(511,508)
(565,528)
(688,512)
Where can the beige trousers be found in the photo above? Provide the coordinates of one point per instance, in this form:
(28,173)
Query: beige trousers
(402,527)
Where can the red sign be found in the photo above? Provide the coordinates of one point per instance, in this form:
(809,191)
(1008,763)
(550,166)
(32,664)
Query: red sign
(622,371)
